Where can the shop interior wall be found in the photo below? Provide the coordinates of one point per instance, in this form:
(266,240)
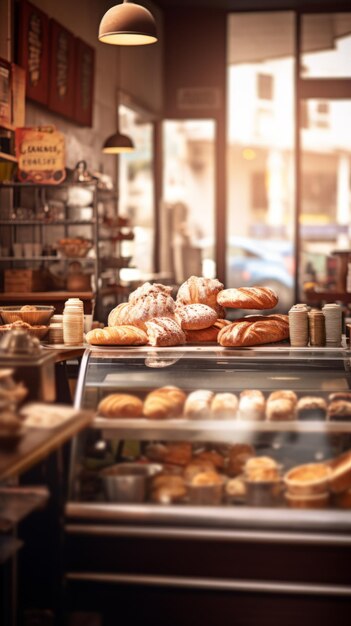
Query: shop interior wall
(138,72)
(195,56)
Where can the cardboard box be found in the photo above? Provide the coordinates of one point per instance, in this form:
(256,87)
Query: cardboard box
(21,281)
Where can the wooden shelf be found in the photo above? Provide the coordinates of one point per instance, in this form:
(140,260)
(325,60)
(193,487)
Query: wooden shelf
(313,297)
(47,222)
(46,296)
(7,157)
(48,258)
(7,126)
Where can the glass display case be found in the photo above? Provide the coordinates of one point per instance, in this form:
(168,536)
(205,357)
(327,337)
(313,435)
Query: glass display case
(257,488)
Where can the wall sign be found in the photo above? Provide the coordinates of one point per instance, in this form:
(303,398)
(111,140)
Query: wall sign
(41,155)
(5,92)
(84,83)
(33,53)
(62,70)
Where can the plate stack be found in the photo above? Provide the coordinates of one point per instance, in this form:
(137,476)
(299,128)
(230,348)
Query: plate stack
(56,329)
(73,322)
(333,324)
(316,322)
(298,325)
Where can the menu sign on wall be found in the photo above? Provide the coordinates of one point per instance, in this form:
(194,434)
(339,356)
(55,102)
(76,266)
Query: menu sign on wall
(41,155)
(34,51)
(62,70)
(84,83)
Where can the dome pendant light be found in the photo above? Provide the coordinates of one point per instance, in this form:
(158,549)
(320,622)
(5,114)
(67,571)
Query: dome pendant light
(118,143)
(128,24)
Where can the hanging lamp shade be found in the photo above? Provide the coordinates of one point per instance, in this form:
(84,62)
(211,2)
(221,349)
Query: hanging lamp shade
(128,24)
(117,143)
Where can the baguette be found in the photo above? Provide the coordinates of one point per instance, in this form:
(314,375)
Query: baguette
(248,298)
(255,330)
(126,335)
(164,402)
(120,405)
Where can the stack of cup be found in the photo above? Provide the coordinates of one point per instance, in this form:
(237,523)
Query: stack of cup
(298,325)
(73,322)
(316,322)
(56,329)
(333,324)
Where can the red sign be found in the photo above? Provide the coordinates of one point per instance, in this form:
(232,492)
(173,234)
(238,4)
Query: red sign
(34,50)
(84,83)
(62,70)
(41,155)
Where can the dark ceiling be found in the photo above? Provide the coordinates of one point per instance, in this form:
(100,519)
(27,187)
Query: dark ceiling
(256,5)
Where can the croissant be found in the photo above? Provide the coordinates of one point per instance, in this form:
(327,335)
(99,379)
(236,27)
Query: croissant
(248,298)
(200,290)
(148,289)
(255,330)
(121,314)
(195,316)
(120,405)
(125,335)
(206,335)
(164,402)
(164,331)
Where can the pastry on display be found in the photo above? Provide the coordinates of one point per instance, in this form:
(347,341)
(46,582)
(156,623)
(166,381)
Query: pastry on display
(308,480)
(248,298)
(340,476)
(200,290)
(203,479)
(28,307)
(148,289)
(172,453)
(311,408)
(254,330)
(261,468)
(167,489)
(238,455)
(163,403)
(164,331)
(157,305)
(340,395)
(195,316)
(120,315)
(224,406)
(281,406)
(252,405)
(339,410)
(235,488)
(206,335)
(197,467)
(210,456)
(120,405)
(198,404)
(126,335)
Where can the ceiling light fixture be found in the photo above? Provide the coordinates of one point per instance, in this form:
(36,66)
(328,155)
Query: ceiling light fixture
(118,143)
(128,24)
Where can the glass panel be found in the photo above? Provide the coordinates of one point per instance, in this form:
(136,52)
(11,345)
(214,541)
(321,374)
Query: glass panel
(189,197)
(136,189)
(326,45)
(261,152)
(325,190)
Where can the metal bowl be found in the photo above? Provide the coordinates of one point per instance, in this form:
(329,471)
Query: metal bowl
(39,317)
(128,482)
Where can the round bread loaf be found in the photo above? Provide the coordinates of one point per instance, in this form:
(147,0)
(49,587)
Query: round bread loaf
(224,406)
(120,315)
(151,306)
(164,402)
(164,331)
(251,405)
(281,409)
(198,404)
(148,289)
(200,290)
(248,298)
(120,405)
(195,316)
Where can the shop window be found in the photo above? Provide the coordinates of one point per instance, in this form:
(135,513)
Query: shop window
(326,45)
(264,87)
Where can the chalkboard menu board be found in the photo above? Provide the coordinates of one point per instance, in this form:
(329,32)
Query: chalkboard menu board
(34,51)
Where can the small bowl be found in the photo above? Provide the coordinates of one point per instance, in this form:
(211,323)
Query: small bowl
(317,501)
(263,493)
(298,486)
(39,317)
(205,494)
(128,482)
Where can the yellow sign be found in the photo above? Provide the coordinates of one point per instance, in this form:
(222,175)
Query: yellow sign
(41,155)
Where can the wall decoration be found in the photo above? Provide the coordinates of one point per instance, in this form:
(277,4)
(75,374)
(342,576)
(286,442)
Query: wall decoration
(5,92)
(84,83)
(62,70)
(33,54)
(18,90)
(41,155)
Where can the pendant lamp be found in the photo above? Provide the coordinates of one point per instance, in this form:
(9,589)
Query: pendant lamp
(128,24)
(118,143)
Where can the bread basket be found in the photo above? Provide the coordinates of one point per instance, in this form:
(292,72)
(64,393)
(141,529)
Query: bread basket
(74,248)
(40,316)
(39,331)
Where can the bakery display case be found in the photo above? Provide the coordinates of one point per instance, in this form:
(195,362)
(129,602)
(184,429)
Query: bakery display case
(211,471)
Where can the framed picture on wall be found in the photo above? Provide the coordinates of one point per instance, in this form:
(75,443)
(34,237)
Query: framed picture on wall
(62,70)
(84,83)
(33,51)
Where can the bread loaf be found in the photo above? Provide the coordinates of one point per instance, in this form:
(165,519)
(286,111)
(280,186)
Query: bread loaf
(151,306)
(126,335)
(164,402)
(248,298)
(148,289)
(251,405)
(281,409)
(224,406)
(254,331)
(199,290)
(173,453)
(121,314)
(206,335)
(164,331)
(198,404)
(210,456)
(311,407)
(120,405)
(195,316)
